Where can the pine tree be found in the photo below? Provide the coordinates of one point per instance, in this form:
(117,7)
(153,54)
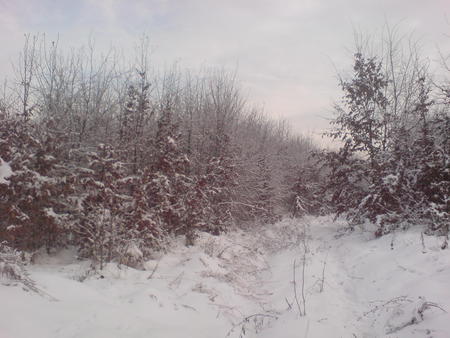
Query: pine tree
(264,193)
(306,195)
(168,183)
(391,168)
(220,185)
(133,123)
(33,203)
(100,230)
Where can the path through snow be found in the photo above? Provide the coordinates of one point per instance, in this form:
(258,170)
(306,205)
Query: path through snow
(355,286)
(371,287)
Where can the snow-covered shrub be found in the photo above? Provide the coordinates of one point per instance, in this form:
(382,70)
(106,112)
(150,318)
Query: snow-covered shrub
(141,226)
(264,206)
(133,120)
(13,271)
(179,201)
(306,195)
(32,200)
(393,166)
(346,183)
(132,256)
(217,188)
(12,267)
(100,225)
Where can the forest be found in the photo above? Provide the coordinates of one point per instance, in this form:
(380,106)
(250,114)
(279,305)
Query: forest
(116,162)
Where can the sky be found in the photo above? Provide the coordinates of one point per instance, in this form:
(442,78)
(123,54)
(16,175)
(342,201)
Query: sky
(286,53)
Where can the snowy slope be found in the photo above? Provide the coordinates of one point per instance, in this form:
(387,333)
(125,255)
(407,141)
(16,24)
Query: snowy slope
(355,286)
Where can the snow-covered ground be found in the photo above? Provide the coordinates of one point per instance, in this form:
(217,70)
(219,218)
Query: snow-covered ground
(242,285)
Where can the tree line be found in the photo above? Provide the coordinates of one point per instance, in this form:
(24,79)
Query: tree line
(116,157)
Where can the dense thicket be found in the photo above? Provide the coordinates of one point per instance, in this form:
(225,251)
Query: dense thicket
(116,159)
(393,124)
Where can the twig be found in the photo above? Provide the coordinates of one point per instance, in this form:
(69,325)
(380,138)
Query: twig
(176,282)
(31,285)
(431,304)
(305,250)
(289,304)
(154,269)
(189,307)
(422,239)
(417,316)
(322,281)
(222,252)
(303,285)
(395,300)
(246,320)
(295,289)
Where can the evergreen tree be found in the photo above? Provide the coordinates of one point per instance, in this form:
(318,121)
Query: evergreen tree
(133,123)
(220,186)
(167,182)
(100,229)
(391,168)
(264,205)
(33,203)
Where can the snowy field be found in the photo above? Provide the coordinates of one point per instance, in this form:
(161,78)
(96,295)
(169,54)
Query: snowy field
(241,284)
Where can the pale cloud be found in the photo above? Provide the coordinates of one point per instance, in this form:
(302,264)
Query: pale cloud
(285,52)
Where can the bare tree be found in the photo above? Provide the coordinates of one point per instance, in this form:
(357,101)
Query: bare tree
(25,75)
